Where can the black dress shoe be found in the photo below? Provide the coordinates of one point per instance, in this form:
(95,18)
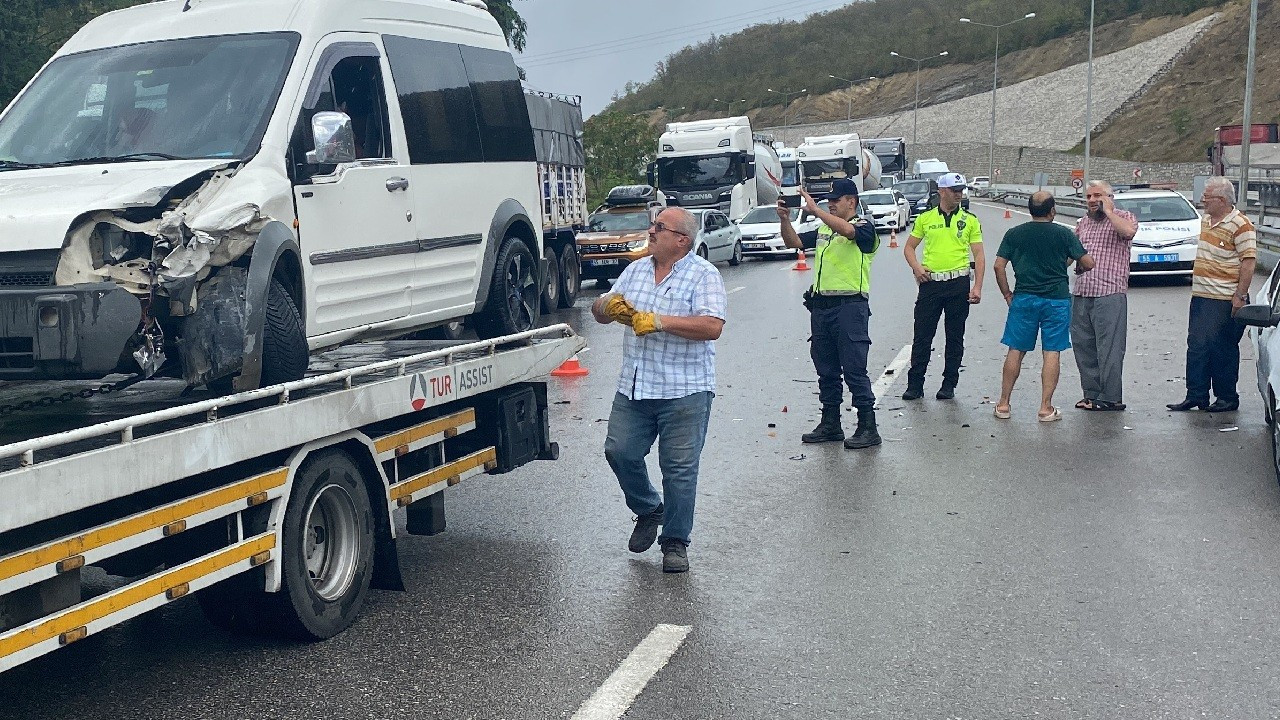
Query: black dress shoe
(1221,405)
(1186,405)
(946,392)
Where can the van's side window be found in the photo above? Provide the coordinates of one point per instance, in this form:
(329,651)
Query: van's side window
(435,100)
(354,86)
(503,117)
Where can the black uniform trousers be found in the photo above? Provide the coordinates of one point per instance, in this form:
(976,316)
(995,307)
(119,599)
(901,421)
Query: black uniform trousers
(938,297)
(839,346)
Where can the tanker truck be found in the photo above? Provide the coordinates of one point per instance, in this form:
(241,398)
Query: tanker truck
(826,158)
(716,163)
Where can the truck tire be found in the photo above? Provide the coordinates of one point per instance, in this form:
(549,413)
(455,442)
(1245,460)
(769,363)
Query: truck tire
(551,283)
(284,342)
(512,306)
(570,275)
(327,552)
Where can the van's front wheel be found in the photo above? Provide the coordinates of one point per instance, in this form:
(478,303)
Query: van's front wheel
(512,306)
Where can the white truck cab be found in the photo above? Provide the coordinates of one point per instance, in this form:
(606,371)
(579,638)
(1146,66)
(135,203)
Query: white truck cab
(827,158)
(215,188)
(716,163)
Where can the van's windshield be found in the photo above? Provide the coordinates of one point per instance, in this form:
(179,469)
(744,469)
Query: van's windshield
(189,98)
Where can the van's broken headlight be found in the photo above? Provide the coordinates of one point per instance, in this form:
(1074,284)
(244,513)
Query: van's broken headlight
(117,245)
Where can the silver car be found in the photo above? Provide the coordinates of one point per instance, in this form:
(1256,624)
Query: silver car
(718,239)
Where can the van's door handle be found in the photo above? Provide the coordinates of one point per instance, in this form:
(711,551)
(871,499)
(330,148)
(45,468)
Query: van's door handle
(397,183)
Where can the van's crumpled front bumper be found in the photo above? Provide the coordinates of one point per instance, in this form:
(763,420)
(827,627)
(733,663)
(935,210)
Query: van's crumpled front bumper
(65,332)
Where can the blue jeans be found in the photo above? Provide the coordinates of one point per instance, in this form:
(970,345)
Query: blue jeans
(680,426)
(1213,350)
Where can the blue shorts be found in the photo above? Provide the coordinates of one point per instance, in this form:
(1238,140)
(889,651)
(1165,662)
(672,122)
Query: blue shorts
(1029,314)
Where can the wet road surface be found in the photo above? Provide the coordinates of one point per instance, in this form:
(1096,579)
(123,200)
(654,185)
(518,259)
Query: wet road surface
(1111,565)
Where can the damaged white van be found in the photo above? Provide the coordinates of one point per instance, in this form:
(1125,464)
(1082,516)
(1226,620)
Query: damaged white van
(211,189)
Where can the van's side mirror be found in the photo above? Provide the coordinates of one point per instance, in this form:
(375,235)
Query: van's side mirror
(335,141)
(750,170)
(650,174)
(1257,316)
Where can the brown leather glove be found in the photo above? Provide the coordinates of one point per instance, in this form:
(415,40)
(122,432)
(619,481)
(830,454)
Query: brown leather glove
(646,322)
(618,309)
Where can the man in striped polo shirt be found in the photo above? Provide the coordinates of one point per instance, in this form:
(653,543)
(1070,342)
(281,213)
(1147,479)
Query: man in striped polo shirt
(1219,286)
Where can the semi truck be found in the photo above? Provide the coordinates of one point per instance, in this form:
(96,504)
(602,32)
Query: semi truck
(790,170)
(278,509)
(892,153)
(1264,150)
(826,158)
(717,163)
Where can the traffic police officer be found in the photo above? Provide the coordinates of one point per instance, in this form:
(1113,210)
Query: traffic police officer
(839,312)
(950,234)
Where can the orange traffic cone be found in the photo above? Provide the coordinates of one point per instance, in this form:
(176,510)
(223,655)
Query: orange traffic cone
(1008,215)
(570,368)
(800,261)
(893,238)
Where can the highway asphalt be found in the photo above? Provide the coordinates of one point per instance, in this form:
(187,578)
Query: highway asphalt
(1111,565)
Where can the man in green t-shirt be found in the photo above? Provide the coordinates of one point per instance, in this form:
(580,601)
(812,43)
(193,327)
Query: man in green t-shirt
(1040,252)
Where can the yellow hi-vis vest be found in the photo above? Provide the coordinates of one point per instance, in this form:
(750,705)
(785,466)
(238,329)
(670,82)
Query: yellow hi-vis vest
(840,268)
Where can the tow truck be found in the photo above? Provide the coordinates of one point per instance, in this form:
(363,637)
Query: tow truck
(275,507)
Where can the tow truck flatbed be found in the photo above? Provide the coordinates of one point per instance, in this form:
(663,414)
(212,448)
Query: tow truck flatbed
(277,502)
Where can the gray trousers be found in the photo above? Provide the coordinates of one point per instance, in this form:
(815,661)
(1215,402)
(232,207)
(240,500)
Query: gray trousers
(1099,329)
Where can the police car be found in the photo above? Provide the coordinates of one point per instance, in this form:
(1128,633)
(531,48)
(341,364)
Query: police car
(1168,231)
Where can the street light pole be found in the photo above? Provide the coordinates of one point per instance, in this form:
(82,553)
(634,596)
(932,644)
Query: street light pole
(728,104)
(915,114)
(849,114)
(1247,136)
(1088,97)
(786,101)
(995,78)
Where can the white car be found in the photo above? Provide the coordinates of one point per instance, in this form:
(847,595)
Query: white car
(718,239)
(889,209)
(762,233)
(1168,232)
(1264,316)
(980,182)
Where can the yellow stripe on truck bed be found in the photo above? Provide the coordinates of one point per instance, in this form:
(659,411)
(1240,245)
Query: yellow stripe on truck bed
(70,547)
(74,621)
(443,473)
(427,429)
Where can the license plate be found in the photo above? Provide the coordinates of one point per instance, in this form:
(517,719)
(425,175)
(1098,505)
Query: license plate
(1170,257)
(603,263)
(753,246)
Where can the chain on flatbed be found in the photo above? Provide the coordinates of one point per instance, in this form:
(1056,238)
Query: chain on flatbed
(51,400)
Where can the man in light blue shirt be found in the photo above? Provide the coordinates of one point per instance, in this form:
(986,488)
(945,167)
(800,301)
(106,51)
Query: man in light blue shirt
(674,304)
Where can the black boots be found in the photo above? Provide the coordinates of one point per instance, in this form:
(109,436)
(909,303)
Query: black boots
(829,429)
(866,435)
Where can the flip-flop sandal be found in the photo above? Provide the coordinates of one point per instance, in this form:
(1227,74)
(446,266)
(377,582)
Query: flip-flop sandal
(1104,406)
(1003,414)
(1051,417)
(1083,404)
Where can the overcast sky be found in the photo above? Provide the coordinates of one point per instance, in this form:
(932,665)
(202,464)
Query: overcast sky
(593,47)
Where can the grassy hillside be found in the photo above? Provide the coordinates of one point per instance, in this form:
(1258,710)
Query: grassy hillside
(1174,120)
(854,42)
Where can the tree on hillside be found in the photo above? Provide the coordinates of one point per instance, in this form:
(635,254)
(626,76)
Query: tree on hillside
(618,146)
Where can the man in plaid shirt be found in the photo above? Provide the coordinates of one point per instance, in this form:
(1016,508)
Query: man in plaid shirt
(674,304)
(1100,307)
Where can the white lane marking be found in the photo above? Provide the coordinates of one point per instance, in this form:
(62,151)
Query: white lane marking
(1022,212)
(881,386)
(740,287)
(615,696)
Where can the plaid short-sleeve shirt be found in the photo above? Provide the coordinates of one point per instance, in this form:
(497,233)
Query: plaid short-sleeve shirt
(662,366)
(1110,250)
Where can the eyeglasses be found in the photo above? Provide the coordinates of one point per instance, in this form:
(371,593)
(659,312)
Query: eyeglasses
(660,227)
